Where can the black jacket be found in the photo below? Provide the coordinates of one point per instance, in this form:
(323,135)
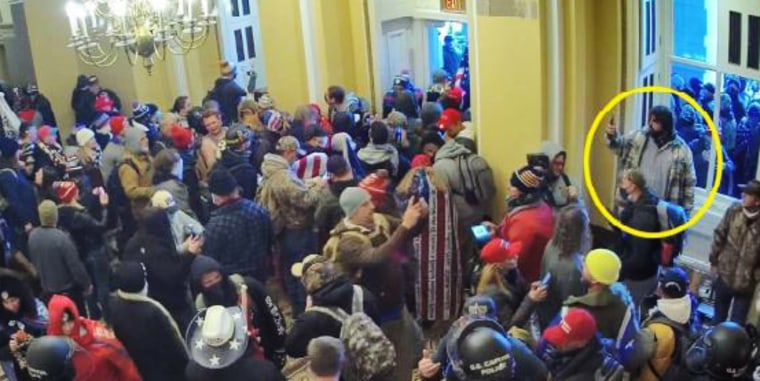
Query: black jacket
(42,104)
(243,171)
(228,93)
(266,316)
(149,336)
(583,365)
(312,324)
(83,104)
(245,369)
(640,256)
(86,231)
(168,271)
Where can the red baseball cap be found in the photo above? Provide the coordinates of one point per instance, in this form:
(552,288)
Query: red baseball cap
(181,137)
(449,118)
(577,325)
(456,94)
(117,124)
(46,131)
(499,250)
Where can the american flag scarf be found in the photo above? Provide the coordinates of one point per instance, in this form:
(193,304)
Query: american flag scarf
(438,284)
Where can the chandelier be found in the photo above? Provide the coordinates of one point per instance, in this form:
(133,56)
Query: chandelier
(144,29)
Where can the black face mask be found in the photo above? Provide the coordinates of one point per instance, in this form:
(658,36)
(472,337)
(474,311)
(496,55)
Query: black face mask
(222,294)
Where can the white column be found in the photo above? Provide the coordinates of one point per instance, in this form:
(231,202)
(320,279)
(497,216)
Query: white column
(555,63)
(308,29)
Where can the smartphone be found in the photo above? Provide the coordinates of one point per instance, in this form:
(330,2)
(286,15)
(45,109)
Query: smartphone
(357,118)
(546,280)
(399,134)
(482,234)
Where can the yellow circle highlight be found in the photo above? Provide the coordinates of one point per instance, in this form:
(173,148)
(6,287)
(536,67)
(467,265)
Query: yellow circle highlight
(587,168)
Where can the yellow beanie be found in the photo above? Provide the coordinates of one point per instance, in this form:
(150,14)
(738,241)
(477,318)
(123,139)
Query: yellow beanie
(603,265)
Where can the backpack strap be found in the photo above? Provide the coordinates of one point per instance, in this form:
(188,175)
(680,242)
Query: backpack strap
(358,300)
(335,313)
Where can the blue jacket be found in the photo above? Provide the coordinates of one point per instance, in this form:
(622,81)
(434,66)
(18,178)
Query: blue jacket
(20,197)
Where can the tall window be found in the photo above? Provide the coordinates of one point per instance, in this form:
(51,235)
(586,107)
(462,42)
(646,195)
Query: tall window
(713,55)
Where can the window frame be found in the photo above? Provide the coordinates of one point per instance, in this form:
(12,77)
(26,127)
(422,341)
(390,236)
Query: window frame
(660,63)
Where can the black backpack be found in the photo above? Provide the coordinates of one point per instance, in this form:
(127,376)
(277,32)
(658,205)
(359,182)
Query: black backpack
(476,178)
(685,336)
(119,202)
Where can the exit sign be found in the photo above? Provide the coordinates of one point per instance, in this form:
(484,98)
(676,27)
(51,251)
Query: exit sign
(456,6)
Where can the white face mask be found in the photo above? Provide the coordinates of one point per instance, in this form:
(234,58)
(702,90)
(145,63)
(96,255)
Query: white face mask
(177,170)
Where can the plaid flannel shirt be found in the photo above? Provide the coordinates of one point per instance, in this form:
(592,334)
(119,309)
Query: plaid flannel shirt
(681,176)
(240,236)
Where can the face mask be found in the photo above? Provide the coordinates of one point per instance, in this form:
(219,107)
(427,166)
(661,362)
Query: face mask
(222,293)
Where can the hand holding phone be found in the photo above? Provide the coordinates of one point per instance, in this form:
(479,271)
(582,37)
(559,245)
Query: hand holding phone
(546,280)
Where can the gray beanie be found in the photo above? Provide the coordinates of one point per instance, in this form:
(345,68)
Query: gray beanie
(352,198)
(430,113)
(132,139)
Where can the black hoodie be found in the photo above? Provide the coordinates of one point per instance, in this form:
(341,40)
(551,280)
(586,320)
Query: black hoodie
(640,256)
(312,324)
(243,171)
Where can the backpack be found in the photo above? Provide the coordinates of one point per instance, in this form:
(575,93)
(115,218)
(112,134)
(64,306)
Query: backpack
(118,197)
(670,216)
(476,178)
(369,352)
(684,338)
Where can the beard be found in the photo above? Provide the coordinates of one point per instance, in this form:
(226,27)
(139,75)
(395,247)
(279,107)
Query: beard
(223,293)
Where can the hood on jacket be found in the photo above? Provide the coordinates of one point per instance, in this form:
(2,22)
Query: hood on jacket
(552,149)
(272,164)
(451,150)
(337,293)
(61,305)
(132,138)
(377,153)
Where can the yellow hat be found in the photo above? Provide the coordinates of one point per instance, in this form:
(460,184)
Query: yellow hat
(298,267)
(603,265)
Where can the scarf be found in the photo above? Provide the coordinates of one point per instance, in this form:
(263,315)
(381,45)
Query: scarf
(678,310)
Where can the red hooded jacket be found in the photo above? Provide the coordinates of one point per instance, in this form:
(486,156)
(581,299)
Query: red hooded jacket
(99,355)
(533,226)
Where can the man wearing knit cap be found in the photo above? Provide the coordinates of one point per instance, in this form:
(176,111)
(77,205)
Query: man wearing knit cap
(239,234)
(529,220)
(227,92)
(364,245)
(328,212)
(150,335)
(291,204)
(113,153)
(135,174)
(56,258)
(608,301)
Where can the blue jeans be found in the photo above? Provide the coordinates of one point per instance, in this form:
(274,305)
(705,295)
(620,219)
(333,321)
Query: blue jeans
(294,245)
(724,295)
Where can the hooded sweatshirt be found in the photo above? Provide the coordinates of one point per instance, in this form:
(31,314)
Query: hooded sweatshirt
(289,202)
(98,355)
(557,187)
(446,165)
(379,156)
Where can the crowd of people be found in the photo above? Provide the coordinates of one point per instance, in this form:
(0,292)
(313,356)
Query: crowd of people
(155,247)
(737,121)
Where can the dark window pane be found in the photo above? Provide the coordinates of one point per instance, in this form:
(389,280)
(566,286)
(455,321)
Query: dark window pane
(653,31)
(239,45)
(235,8)
(753,48)
(249,40)
(246,7)
(734,37)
